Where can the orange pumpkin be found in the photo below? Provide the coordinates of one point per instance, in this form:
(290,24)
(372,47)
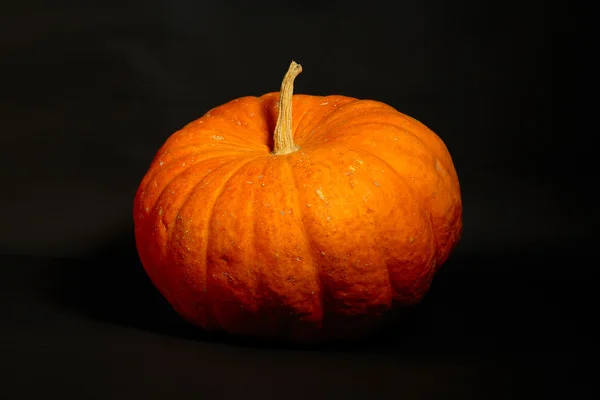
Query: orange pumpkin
(297,217)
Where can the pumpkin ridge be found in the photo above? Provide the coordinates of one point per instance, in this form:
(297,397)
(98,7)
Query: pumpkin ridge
(325,116)
(207,242)
(298,130)
(226,119)
(301,129)
(409,186)
(415,125)
(178,158)
(309,242)
(337,114)
(176,176)
(428,151)
(222,141)
(189,194)
(261,286)
(375,122)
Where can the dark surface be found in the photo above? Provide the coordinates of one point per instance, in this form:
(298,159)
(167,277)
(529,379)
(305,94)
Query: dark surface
(90,90)
(493,326)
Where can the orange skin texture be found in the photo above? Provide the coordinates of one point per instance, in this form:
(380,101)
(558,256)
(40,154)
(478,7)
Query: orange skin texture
(318,243)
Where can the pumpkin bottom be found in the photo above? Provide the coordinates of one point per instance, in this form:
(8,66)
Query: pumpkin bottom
(267,325)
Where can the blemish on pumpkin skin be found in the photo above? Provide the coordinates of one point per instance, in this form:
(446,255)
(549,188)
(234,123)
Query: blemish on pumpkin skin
(439,168)
(217,137)
(377,184)
(319,193)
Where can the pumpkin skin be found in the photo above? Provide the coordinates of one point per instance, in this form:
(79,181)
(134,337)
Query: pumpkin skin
(318,243)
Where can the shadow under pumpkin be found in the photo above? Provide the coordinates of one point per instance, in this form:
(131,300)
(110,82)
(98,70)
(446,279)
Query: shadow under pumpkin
(478,302)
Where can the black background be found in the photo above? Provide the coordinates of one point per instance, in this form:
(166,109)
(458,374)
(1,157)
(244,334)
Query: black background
(90,90)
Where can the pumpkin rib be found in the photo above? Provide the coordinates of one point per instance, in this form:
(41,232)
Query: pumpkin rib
(156,171)
(428,216)
(220,190)
(164,249)
(341,132)
(176,176)
(199,147)
(427,212)
(427,151)
(432,142)
(221,143)
(298,131)
(261,285)
(324,117)
(338,114)
(387,271)
(247,140)
(171,259)
(309,241)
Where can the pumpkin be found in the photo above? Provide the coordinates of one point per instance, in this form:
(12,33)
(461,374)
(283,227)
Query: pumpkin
(297,217)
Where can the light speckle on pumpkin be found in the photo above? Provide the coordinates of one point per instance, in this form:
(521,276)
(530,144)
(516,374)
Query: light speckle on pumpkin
(238,122)
(308,205)
(320,194)
(251,114)
(328,219)
(147,209)
(282,212)
(262,184)
(324,103)
(376,183)
(322,253)
(260,176)
(217,137)
(249,182)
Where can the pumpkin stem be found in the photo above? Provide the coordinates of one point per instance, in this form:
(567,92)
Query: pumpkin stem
(283,138)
